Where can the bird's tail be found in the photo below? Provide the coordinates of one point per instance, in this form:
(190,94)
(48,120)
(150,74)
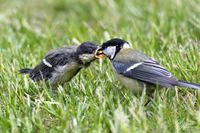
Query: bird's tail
(25,71)
(189,85)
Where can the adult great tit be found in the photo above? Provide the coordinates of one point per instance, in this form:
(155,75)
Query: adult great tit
(61,65)
(137,71)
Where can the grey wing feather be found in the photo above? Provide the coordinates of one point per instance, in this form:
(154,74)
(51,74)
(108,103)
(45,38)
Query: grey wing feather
(70,49)
(56,57)
(148,71)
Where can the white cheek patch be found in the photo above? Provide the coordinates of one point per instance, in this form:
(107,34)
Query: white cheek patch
(126,45)
(110,51)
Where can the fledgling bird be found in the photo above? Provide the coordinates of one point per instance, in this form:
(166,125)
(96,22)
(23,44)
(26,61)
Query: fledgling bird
(137,71)
(61,65)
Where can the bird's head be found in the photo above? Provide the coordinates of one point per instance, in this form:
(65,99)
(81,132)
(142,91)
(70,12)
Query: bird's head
(86,52)
(111,48)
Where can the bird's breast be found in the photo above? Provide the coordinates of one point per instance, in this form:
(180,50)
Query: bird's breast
(64,73)
(134,85)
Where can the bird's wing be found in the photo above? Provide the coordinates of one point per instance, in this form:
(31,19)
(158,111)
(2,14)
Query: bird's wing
(53,59)
(148,71)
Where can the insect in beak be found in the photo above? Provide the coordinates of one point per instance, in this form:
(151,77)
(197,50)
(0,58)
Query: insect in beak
(99,53)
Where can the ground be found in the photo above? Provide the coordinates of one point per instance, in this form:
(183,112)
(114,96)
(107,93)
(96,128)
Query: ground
(94,101)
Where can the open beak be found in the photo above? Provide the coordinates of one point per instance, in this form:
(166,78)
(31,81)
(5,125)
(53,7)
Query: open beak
(99,53)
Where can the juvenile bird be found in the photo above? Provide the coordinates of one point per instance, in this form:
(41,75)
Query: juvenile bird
(137,71)
(61,65)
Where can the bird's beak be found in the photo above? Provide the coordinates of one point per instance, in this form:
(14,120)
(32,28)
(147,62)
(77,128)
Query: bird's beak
(99,53)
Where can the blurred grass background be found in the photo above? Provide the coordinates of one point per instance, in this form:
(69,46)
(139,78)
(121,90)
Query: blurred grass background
(94,101)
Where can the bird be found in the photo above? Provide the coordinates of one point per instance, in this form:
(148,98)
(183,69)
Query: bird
(62,64)
(137,71)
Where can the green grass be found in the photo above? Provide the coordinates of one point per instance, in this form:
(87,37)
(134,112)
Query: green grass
(94,101)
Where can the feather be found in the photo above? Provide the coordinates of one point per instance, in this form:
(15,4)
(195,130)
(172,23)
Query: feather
(52,60)
(146,71)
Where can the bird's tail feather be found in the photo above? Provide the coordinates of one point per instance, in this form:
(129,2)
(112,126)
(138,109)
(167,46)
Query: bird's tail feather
(189,85)
(25,71)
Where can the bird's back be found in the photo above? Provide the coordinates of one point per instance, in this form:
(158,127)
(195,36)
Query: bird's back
(64,50)
(131,55)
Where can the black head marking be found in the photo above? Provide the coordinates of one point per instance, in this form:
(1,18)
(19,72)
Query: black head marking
(86,48)
(116,43)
